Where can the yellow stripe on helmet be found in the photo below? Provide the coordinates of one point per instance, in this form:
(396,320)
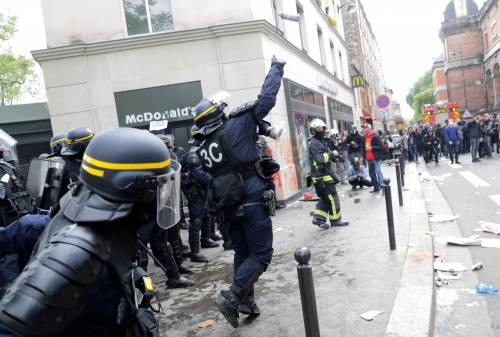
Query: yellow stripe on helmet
(57,141)
(126,166)
(69,141)
(207,110)
(93,171)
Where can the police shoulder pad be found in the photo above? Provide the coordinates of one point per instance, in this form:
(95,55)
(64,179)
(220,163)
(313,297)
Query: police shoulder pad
(243,108)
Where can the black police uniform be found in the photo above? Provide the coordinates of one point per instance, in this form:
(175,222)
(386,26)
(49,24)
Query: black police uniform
(232,148)
(17,241)
(81,279)
(324,180)
(195,185)
(152,234)
(77,140)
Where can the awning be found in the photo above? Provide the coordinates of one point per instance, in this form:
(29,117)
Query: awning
(367,115)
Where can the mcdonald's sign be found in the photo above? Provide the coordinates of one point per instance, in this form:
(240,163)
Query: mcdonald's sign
(358,81)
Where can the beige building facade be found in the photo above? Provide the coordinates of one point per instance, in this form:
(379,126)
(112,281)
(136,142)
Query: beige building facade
(129,62)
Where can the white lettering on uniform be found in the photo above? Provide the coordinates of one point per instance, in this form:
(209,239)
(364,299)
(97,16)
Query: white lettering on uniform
(210,150)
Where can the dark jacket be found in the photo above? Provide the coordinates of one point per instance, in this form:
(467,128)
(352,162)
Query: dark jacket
(319,154)
(473,129)
(376,145)
(358,142)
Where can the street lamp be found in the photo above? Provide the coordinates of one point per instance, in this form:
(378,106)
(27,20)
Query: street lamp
(290,17)
(349,7)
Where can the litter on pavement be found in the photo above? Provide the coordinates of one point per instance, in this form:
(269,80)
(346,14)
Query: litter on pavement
(206,324)
(490,243)
(442,276)
(477,266)
(279,229)
(449,266)
(482,288)
(370,315)
(443,218)
(470,241)
(490,227)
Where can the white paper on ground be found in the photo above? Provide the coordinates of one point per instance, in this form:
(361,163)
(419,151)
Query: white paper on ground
(449,266)
(490,227)
(470,241)
(445,276)
(370,315)
(490,243)
(443,217)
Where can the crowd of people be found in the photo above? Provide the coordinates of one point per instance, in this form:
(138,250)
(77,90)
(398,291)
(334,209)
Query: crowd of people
(341,158)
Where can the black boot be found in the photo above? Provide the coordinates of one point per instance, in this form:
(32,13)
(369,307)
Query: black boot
(228,304)
(228,245)
(216,236)
(199,258)
(339,223)
(184,270)
(181,282)
(249,307)
(209,243)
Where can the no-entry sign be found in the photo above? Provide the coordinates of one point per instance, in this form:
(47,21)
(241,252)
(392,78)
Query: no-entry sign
(383,101)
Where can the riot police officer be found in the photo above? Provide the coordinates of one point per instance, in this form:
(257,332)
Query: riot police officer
(56,143)
(229,154)
(324,180)
(77,140)
(82,268)
(194,184)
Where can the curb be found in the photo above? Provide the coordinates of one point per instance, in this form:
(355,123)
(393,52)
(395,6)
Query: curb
(412,314)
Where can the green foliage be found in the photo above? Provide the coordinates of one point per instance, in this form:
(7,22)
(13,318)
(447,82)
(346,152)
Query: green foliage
(13,73)
(14,70)
(7,27)
(421,93)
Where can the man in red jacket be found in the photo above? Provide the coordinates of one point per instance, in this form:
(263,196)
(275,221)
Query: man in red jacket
(373,148)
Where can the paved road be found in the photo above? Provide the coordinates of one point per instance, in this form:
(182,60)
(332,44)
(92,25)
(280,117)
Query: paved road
(472,190)
(353,268)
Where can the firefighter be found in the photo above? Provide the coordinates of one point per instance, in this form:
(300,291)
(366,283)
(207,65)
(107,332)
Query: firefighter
(323,178)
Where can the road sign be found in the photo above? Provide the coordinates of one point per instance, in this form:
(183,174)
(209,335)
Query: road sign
(383,101)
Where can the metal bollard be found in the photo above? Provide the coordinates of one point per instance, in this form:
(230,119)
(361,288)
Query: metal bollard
(307,296)
(390,214)
(398,181)
(402,165)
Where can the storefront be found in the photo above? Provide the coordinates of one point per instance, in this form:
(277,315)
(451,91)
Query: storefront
(174,103)
(303,106)
(341,114)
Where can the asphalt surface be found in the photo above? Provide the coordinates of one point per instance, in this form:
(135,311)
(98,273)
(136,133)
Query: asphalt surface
(354,272)
(472,191)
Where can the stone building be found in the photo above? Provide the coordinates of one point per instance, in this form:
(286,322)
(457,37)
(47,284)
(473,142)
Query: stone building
(129,62)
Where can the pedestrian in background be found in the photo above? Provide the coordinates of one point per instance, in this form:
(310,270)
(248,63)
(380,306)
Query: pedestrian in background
(452,139)
(494,135)
(354,144)
(373,148)
(474,132)
(357,175)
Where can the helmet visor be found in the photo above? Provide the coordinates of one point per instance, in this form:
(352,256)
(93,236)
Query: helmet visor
(169,197)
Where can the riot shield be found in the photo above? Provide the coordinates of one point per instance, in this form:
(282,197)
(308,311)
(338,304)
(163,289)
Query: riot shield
(9,147)
(44,181)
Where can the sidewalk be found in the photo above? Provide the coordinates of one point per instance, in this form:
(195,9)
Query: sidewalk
(354,272)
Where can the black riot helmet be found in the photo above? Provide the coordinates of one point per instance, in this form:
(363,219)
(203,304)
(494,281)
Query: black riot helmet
(126,165)
(168,140)
(57,143)
(210,113)
(77,140)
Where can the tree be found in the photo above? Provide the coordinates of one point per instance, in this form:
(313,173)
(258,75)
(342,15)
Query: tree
(421,93)
(14,70)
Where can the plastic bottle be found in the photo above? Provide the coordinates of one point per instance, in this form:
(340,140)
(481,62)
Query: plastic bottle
(482,288)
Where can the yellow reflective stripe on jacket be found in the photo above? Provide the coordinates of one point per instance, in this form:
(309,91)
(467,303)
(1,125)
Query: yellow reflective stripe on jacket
(326,157)
(324,179)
